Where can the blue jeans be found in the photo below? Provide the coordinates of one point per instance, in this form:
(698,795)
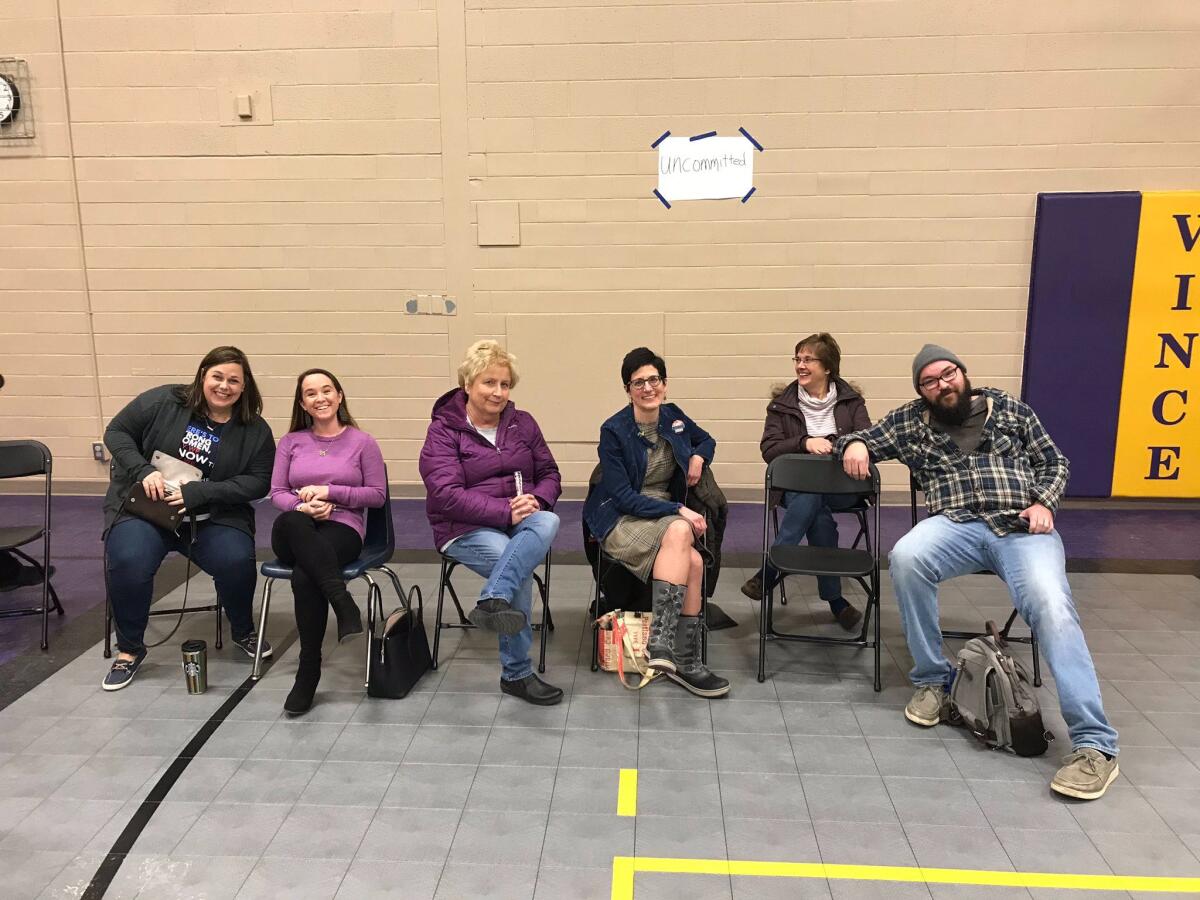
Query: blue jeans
(811,515)
(507,559)
(135,549)
(1034,568)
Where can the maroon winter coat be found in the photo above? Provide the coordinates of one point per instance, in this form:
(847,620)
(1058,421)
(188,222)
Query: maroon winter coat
(785,429)
(468,482)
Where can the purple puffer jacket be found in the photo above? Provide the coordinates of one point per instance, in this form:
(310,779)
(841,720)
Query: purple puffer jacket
(468,482)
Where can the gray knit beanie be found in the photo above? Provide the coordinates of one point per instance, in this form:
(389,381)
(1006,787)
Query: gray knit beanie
(932,353)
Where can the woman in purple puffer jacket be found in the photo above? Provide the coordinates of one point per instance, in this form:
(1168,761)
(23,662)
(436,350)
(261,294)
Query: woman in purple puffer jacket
(490,484)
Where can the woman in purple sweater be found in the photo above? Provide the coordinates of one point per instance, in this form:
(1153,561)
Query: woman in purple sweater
(326,474)
(490,484)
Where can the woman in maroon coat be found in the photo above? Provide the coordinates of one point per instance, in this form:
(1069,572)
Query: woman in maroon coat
(490,484)
(813,409)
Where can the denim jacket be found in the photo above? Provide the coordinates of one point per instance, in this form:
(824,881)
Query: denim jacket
(623,456)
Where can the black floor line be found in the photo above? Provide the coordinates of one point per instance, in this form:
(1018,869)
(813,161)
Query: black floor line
(123,845)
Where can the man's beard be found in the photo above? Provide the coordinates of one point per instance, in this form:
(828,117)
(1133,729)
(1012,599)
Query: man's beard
(952,415)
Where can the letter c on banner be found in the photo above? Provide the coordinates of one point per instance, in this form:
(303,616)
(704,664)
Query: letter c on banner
(1161,400)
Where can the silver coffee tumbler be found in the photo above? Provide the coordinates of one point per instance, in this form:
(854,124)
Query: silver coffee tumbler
(195,666)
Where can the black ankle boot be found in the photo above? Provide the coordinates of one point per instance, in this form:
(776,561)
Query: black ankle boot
(300,697)
(349,619)
(660,646)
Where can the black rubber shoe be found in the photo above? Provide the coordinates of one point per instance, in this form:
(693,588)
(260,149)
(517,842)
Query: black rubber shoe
(496,614)
(533,690)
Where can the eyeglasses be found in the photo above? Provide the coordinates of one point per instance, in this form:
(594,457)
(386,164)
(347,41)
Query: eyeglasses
(948,375)
(641,383)
(805,360)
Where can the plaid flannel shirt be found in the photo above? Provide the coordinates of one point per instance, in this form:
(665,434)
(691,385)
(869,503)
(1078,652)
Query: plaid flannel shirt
(1016,464)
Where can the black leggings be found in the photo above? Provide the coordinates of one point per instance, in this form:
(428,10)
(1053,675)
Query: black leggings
(317,551)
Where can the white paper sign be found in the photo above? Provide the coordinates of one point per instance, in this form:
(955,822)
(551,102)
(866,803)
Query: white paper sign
(714,168)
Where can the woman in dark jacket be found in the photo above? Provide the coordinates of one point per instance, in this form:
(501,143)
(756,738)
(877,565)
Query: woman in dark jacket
(215,425)
(490,484)
(811,411)
(650,454)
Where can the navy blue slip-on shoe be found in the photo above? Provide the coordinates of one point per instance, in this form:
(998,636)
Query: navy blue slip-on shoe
(249,645)
(122,672)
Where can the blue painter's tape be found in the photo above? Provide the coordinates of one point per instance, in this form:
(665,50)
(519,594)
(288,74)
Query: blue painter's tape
(700,137)
(748,136)
(662,137)
(748,193)
(662,198)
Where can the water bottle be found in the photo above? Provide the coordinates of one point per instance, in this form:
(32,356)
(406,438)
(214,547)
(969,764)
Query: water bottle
(195,666)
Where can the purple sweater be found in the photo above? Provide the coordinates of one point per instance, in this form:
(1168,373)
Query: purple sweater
(352,467)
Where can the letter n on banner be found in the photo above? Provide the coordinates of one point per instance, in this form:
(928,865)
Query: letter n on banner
(1158,428)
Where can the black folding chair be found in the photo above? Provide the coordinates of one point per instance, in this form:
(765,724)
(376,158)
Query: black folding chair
(1031,640)
(445,584)
(21,459)
(859,510)
(806,473)
(379,543)
(597,607)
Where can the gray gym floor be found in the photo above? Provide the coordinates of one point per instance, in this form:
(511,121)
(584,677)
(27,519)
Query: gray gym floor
(458,791)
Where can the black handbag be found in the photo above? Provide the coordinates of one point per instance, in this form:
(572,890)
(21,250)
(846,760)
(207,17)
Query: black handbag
(400,654)
(157,512)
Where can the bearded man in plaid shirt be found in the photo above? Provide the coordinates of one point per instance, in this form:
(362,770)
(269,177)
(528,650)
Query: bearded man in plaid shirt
(992,479)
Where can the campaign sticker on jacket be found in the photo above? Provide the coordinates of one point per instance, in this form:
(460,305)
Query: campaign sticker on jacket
(677,426)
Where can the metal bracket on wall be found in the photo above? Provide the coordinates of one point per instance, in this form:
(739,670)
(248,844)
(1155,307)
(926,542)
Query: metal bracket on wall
(431,305)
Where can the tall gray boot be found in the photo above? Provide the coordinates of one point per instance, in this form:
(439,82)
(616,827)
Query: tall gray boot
(690,671)
(668,601)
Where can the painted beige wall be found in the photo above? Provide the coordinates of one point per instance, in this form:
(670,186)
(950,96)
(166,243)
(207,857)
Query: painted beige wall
(906,142)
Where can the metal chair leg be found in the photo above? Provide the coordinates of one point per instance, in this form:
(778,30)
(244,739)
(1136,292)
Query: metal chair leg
(437,622)
(1037,663)
(764,608)
(595,613)
(108,623)
(545,594)
(374,597)
(256,672)
(874,601)
(548,621)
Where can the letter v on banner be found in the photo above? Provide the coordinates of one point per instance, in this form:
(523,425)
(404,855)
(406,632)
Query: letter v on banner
(1158,430)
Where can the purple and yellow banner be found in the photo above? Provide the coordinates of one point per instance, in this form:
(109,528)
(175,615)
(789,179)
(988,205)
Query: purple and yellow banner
(1112,360)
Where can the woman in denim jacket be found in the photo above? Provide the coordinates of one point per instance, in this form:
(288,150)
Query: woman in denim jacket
(650,454)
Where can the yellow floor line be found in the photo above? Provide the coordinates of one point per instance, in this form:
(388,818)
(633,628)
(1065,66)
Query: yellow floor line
(627,793)
(625,867)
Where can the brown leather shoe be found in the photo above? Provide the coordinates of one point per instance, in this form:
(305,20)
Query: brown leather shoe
(753,588)
(849,618)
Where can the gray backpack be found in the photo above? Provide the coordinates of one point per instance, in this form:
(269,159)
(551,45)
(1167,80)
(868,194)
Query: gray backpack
(994,697)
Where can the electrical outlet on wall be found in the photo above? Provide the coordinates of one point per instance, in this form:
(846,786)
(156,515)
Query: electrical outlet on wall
(98,452)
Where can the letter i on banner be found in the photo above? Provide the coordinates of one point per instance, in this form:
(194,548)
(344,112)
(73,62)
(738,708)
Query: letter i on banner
(1158,430)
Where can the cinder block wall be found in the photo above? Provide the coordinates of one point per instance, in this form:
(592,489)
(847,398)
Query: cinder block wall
(905,143)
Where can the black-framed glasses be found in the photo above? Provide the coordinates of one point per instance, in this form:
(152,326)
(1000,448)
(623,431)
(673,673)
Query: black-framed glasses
(948,375)
(805,360)
(652,382)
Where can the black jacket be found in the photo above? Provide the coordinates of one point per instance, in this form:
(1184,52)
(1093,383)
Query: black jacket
(157,420)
